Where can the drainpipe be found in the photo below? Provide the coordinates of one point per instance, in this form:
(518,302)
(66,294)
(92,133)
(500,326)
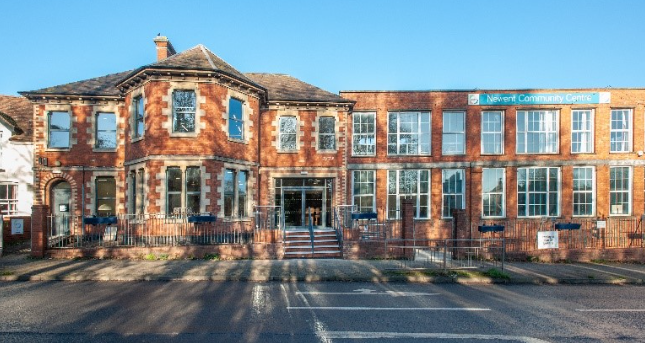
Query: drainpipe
(83,201)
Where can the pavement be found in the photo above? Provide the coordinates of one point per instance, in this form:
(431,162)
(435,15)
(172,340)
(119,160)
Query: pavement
(21,267)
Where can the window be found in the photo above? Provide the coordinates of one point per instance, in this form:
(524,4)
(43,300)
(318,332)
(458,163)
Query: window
(408,183)
(581,131)
(183,111)
(235,193)
(137,117)
(59,123)
(493,192)
(288,133)
(492,133)
(408,133)
(453,188)
(133,193)
(621,131)
(105,196)
(140,192)
(620,190)
(454,135)
(180,196)
(538,192)
(173,190)
(537,132)
(193,189)
(364,190)
(364,135)
(105,131)
(235,119)
(8,199)
(326,133)
(583,191)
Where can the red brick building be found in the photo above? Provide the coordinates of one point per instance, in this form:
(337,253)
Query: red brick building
(190,133)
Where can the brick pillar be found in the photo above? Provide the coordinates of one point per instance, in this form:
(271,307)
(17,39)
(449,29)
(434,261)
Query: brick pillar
(407,225)
(39,214)
(460,230)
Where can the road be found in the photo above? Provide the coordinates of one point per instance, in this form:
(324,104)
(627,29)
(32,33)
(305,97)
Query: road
(317,312)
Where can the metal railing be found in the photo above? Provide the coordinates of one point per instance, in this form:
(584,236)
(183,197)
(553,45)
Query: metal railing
(447,253)
(136,230)
(593,233)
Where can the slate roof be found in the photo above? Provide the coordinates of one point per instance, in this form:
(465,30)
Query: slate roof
(18,112)
(197,58)
(283,87)
(98,86)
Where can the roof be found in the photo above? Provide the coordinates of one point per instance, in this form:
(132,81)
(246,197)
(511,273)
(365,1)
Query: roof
(98,86)
(196,58)
(283,87)
(18,112)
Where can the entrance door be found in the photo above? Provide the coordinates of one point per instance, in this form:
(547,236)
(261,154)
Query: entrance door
(304,206)
(61,195)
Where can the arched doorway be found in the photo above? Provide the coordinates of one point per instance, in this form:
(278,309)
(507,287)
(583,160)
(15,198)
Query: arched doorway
(61,198)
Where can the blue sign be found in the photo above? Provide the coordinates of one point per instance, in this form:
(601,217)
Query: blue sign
(501,99)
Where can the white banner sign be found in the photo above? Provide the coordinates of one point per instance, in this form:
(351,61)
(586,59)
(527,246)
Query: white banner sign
(547,239)
(17,226)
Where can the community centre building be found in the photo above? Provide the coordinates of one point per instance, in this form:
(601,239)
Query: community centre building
(189,133)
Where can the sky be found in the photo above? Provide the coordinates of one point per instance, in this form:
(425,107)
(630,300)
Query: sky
(336,45)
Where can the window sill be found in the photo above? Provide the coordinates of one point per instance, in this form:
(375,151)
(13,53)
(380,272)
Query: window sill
(137,139)
(484,154)
(359,156)
(57,149)
(111,150)
(183,135)
(537,153)
(582,153)
(288,151)
(621,152)
(327,152)
(231,219)
(400,155)
(240,141)
(493,218)
(620,215)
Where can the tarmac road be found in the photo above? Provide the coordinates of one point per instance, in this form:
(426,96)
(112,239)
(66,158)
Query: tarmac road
(317,312)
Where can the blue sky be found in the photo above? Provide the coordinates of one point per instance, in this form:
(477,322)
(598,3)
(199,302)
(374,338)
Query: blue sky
(336,45)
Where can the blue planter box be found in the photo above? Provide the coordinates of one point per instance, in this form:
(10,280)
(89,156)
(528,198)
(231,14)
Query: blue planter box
(202,219)
(99,220)
(490,228)
(567,226)
(363,215)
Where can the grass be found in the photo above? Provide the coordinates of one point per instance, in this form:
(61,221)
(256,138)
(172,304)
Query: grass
(5,272)
(212,257)
(150,257)
(491,273)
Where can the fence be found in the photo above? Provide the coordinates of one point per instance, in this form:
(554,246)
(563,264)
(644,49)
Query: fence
(153,230)
(593,233)
(446,253)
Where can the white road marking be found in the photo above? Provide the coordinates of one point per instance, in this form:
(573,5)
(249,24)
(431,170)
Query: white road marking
(390,293)
(610,310)
(407,335)
(389,308)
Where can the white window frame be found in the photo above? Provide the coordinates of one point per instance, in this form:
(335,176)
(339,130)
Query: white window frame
(457,193)
(361,136)
(367,177)
(241,122)
(49,131)
(420,132)
(628,146)
(457,134)
(11,202)
(589,133)
(138,117)
(417,195)
(528,192)
(614,191)
(184,111)
(111,132)
(494,134)
(502,193)
(591,192)
(281,134)
(550,147)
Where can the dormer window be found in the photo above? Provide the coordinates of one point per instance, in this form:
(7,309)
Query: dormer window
(183,111)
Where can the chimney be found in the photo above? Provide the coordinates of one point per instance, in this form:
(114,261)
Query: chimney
(164,47)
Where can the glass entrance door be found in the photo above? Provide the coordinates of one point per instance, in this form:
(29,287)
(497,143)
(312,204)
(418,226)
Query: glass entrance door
(305,201)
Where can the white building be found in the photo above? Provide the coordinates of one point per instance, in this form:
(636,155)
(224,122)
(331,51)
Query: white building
(16,156)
